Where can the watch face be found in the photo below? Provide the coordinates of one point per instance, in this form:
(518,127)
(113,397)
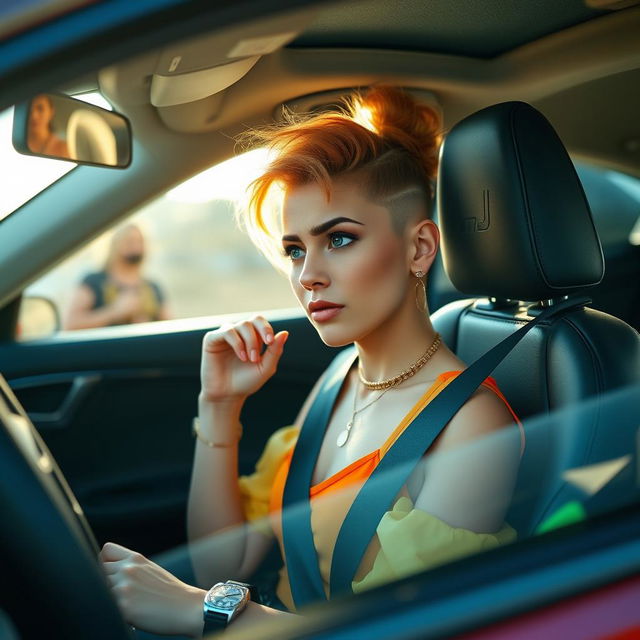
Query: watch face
(226,596)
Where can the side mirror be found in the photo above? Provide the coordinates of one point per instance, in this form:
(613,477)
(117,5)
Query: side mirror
(57,126)
(38,318)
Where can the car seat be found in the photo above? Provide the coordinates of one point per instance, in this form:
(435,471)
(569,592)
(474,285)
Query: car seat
(516,226)
(90,138)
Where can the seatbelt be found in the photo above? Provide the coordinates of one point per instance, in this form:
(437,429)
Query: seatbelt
(297,537)
(391,473)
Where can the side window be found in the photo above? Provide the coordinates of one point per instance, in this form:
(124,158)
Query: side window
(614,199)
(180,256)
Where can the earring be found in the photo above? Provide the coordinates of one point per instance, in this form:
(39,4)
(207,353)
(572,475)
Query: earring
(421,292)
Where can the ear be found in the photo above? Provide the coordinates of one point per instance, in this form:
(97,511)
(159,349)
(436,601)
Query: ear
(424,240)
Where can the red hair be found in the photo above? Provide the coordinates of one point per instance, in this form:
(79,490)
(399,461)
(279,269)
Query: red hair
(386,136)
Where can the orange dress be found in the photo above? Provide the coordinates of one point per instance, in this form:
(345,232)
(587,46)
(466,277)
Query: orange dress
(331,499)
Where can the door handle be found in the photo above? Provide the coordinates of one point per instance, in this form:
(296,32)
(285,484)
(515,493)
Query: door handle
(62,417)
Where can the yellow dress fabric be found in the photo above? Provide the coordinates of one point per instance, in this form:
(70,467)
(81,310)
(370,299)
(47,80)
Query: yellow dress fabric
(412,540)
(408,540)
(255,489)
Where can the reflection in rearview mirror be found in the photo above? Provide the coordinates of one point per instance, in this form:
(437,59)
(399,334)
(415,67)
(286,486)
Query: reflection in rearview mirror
(57,126)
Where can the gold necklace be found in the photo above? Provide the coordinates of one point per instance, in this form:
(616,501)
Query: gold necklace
(407,373)
(343,436)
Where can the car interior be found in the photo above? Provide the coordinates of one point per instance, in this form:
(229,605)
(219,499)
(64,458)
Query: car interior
(539,110)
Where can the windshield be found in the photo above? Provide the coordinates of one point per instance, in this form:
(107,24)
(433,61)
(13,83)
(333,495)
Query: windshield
(26,176)
(17,15)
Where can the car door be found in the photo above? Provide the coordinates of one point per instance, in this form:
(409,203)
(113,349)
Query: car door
(116,412)
(115,404)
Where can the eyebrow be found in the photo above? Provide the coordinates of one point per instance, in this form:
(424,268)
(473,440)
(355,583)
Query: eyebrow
(321,228)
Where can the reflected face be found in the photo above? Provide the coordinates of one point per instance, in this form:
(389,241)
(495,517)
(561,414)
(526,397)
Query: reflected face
(41,113)
(346,253)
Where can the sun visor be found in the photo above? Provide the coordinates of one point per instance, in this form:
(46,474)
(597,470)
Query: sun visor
(197,68)
(167,91)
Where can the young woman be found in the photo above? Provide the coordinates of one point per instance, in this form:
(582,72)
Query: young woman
(41,137)
(354,231)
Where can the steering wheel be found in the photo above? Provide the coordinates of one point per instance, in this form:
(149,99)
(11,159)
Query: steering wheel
(51,583)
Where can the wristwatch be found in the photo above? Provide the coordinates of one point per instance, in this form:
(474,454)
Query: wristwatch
(223,602)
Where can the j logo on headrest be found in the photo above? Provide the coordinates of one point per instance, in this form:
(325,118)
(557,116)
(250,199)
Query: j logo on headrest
(471,225)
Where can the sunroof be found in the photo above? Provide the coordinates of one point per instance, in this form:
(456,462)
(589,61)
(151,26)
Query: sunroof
(478,28)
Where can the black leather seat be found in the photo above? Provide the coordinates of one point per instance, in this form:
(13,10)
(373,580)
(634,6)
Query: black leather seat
(516,226)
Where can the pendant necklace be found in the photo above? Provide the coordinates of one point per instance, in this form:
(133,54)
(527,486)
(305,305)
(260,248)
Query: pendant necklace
(385,385)
(344,435)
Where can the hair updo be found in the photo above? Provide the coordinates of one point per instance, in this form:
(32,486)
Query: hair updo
(384,135)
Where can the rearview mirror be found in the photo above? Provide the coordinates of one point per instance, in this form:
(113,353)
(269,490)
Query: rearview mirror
(38,318)
(57,126)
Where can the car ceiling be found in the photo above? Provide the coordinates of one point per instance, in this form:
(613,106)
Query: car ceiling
(583,77)
(443,26)
(579,74)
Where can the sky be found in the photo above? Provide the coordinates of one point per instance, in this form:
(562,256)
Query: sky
(23,176)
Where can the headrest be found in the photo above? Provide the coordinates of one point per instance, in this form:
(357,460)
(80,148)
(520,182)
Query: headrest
(514,218)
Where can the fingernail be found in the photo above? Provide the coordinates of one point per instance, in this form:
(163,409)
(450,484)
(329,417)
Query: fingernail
(269,338)
(243,356)
(254,355)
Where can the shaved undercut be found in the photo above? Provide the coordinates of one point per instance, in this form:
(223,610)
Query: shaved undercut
(407,205)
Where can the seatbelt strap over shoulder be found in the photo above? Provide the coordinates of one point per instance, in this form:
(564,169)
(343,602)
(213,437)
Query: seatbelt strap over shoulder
(377,494)
(297,538)
(391,473)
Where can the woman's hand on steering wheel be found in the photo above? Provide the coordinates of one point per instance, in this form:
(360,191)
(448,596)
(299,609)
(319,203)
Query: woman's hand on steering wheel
(149,597)
(233,366)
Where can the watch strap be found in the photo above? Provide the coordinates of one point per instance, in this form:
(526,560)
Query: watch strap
(214,621)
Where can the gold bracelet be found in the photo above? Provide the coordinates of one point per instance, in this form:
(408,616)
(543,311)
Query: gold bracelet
(220,445)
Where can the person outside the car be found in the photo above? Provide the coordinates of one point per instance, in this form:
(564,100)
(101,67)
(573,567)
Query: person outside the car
(353,233)
(119,293)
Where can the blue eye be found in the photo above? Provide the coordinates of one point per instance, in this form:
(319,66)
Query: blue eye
(338,238)
(293,252)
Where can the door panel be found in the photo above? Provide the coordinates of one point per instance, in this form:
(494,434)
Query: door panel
(116,412)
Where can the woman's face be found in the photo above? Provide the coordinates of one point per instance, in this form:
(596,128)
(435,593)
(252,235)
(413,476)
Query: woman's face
(41,113)
(344,252)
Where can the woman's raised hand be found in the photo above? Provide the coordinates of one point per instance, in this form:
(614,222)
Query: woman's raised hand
(233,366)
